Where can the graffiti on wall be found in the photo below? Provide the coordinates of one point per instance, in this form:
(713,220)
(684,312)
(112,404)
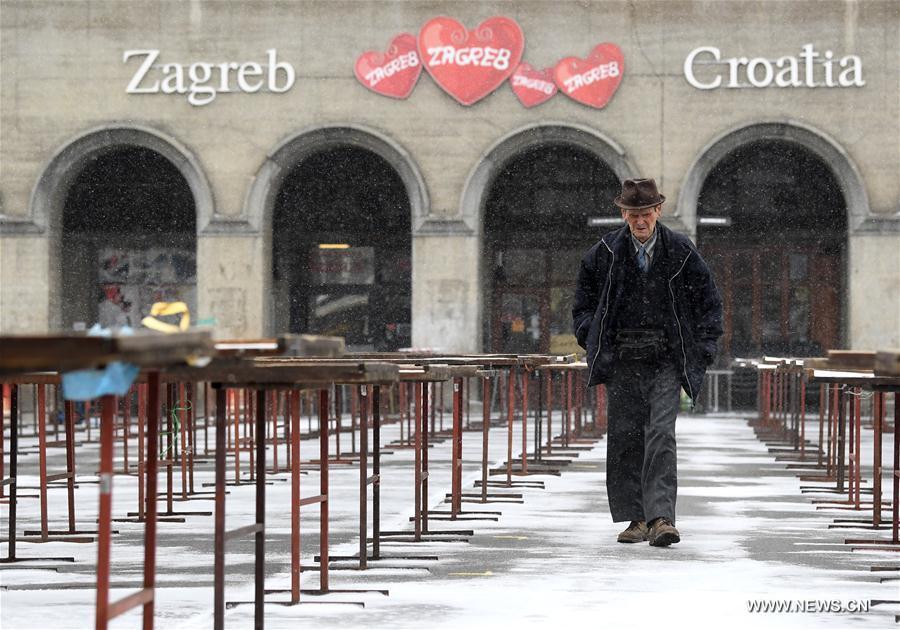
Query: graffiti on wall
(131,280)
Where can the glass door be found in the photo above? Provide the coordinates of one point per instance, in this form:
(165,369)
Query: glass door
(520,327)
(777,301)
(532,301)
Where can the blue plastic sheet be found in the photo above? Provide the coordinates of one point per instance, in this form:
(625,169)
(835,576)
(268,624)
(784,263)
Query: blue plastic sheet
(115,379)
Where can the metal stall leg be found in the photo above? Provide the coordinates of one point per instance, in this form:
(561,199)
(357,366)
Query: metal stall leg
(363,475)
(219,538)
(260,542)
(376,472)
(12,482)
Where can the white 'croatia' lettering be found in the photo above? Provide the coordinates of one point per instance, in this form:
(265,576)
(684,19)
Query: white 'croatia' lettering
(787,71)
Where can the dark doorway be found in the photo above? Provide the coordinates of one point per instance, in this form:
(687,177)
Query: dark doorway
(536,230)
(778,256)
(342,248)
(128,239)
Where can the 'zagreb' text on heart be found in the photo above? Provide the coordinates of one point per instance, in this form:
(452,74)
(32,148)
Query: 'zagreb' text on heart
(409,60)
(597,73)
(533,84)
(487,57)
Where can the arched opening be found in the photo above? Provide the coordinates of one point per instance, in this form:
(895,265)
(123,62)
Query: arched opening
(342,247)
(548,203)
(128,237)
(772,223)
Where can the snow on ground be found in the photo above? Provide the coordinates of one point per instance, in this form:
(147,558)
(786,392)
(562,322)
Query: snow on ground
(748,533)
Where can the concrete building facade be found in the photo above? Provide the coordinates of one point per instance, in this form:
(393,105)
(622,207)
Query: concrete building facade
(702,82)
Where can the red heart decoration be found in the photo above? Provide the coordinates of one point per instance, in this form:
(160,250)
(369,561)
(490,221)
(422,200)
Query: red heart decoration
(532,87)
(470,64)
(594,80)
(393,73)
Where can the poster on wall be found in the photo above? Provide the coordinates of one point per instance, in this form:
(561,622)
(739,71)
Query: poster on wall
(155,265)
(165,266)
(127,304)
(118,305)
(131,280)
(354,265)
(114,266)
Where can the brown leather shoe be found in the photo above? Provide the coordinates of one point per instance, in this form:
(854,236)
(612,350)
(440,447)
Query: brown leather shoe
(662,533)
(636,532)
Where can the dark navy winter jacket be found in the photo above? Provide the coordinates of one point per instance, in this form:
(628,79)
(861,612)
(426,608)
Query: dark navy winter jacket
(693,322)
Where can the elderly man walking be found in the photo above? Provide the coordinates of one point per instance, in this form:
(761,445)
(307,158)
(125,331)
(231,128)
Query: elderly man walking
(649,315)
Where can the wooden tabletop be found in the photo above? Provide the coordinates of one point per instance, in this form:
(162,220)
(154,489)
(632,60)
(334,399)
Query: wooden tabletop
(437,372)
(236,372)
(30,378)
(486,360)
(294,373)
(409,370)
(576,366)
(862,379)
(887,362)
(36,353)
(284,345)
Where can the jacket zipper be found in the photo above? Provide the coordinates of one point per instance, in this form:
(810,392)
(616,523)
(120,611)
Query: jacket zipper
(606,310)
(678,321)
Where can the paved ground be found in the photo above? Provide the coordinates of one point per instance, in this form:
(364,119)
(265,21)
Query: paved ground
(748,533)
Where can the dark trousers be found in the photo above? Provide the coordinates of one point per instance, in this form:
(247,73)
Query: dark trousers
(641,469)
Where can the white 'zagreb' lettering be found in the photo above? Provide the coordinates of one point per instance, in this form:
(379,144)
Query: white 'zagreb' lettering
(138,77)
(206,80)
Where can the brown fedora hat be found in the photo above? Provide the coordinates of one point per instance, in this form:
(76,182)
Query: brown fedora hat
(639,193)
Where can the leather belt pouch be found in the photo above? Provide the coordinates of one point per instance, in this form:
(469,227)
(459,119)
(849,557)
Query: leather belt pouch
(640,345)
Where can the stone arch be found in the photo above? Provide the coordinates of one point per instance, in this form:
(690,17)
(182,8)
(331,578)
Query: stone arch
(51,189)
(49,192)
(820,144)
(259,207)
(260,202)
(490,163)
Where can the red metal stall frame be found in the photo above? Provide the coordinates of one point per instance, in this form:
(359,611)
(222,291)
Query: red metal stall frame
(848,403)
(420,379)
(483,496)
(45,534)
(12,482)
(455,496)
(258,528)
(373,480)
(106,611)
(892,544)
